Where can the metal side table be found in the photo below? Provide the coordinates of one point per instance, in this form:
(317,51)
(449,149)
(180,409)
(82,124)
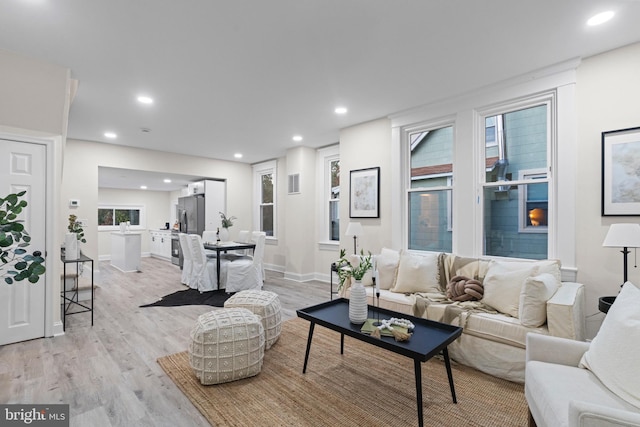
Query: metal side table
(69,299)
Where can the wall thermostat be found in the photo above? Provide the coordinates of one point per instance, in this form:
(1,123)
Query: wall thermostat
(74,203)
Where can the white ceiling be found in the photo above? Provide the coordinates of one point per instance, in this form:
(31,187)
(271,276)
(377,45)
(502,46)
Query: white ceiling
(245,76)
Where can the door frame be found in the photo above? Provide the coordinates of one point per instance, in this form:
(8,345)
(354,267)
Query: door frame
(53,177)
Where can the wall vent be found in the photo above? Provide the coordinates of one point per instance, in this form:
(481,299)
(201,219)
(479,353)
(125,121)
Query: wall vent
(294,183)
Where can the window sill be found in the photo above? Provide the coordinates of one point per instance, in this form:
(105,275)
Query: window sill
(329,246)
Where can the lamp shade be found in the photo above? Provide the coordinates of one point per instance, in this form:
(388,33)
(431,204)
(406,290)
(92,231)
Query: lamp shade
(623,236)
(354,229)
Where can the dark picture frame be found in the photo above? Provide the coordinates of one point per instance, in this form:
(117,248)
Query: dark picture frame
(620,176)
(364,193)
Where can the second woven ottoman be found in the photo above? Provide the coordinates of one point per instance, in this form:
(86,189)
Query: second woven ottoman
(265,304)
(226,345)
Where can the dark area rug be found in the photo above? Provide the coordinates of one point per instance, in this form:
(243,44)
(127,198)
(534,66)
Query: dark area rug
(191,297)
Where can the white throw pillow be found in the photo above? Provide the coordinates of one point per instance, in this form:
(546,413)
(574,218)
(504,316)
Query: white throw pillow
(387,265)
(504,280)
(535,293)
(613,353)
(417,273)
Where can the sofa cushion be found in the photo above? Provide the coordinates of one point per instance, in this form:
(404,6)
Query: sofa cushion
(613,353)
(387,266)
(534,295)
(504,280)
(491,326)
(417,273)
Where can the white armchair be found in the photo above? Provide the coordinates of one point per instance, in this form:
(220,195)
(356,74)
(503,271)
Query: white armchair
(559,393)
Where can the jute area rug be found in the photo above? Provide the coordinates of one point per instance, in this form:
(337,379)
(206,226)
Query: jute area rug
(367,386)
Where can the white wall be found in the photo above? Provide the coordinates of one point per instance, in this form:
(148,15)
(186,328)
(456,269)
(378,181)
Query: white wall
(607,98)
(156,205)
(80,180)
(365,146)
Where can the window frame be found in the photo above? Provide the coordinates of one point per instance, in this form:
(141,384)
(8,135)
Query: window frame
(259,170)
(548,98)
(406,150)
(325,156)
(539,176)
(116,227)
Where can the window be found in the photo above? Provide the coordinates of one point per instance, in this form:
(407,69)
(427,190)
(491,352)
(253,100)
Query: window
(516,185)
(110,216)
(430,189)
(265,175)
(328,199)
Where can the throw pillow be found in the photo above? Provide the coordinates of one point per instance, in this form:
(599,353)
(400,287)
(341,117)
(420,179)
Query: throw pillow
(387,265)
(534,295)
(504,280)
(502,288)
(613,353)
(462,288)
(417,273)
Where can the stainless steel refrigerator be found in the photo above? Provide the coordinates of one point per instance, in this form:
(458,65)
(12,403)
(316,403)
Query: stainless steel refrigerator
(191,216)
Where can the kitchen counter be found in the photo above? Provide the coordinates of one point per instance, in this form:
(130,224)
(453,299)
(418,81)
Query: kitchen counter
(126,251)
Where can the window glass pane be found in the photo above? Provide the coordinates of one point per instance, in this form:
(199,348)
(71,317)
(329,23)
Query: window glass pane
(334,220)
(335,179)
(266,219)
(431,157)
(429,223)
(267,188)
(520,143)
(502,234)
(131,215)
(105,217)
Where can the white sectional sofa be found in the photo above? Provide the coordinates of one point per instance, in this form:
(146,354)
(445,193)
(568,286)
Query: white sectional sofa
(519,297)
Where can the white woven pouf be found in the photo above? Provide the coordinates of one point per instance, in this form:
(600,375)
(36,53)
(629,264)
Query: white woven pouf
(226,345)
(266,305)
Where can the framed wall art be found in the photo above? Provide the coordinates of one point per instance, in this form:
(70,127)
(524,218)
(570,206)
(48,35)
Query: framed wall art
(364,193)
(621,172)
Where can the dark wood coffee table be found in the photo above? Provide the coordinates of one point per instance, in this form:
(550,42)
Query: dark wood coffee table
(429,338)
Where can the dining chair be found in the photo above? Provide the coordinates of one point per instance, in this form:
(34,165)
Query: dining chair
(245,273)
(244,236)
(187,260)
(210,236)
(204,275)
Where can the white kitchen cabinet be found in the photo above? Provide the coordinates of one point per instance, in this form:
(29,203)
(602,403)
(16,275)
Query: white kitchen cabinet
(160,245)
(125,251)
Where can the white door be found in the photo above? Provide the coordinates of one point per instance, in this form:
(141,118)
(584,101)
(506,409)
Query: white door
(22,304)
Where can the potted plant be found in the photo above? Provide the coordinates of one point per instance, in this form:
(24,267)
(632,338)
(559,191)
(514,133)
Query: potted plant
(73,237)
(358,309)
(226,223)
(15,263)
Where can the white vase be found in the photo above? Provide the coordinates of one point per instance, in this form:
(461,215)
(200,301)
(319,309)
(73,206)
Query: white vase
(224,234)
(358,310)
(71,247)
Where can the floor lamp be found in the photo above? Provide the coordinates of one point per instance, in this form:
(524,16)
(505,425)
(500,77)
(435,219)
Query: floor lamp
(354,229)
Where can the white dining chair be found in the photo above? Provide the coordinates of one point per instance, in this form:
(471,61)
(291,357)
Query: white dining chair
(245,273)
(187,260)
(204,275)
(244,236)
(210,236)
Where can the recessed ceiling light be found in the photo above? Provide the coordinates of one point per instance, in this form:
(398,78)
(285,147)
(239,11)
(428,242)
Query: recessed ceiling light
(297,138)
(143,187)
(238,155)
(167,180)
(110,135)
(600,18)
(145,99)
(340,110)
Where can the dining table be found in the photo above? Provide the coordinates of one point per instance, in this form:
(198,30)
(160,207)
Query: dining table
(224,247)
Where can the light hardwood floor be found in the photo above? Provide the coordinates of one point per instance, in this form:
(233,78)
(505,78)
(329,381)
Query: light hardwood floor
(108,373)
